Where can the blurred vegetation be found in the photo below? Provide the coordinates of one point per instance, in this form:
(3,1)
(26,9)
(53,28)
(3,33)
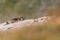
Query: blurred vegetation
(16,8)
(33,32)
(30,9)
(27,8)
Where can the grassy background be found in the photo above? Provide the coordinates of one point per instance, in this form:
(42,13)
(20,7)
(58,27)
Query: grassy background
(16,8)
(31,9)
(28,8)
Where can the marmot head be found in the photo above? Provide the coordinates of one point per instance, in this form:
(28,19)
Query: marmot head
(15,20)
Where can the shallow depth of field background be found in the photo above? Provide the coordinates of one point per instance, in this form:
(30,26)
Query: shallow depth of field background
(31,9)
(28,8)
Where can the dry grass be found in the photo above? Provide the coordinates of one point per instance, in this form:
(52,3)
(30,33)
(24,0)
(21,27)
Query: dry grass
(48,31)
(53,11)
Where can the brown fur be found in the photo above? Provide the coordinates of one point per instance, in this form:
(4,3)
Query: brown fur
(15,20)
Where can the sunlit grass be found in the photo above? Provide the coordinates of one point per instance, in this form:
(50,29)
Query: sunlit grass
(34,32)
